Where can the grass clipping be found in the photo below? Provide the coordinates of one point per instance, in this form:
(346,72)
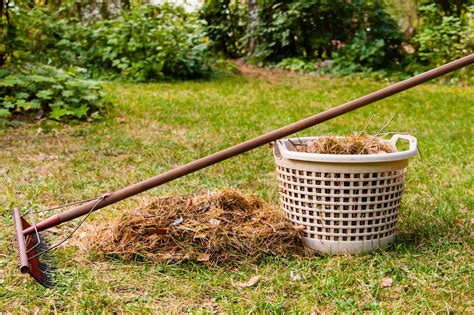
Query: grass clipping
(357,143)
(220,227)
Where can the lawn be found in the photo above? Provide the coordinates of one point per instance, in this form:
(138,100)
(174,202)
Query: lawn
(155,127)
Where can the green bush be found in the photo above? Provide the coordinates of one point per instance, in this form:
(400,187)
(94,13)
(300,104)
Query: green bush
(296,64)
(359,55)
(148,43)
(226,25)
(443,38)
(309,30)
(45,90)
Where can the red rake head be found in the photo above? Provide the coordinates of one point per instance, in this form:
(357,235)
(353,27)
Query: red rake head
(28,248)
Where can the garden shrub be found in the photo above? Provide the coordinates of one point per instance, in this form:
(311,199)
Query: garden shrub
(226,25)
(45,90)
(360,54)
(147,43)
(312,30)
(443,38)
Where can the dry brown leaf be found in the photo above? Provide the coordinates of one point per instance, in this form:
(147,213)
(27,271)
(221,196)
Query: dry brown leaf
(459,222)
(203,257)
(252,281)
(386,282)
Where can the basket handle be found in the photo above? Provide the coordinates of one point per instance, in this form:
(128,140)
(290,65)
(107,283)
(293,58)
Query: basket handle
(411,140)
(277,148)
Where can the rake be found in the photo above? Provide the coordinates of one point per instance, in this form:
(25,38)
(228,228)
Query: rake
(31,245)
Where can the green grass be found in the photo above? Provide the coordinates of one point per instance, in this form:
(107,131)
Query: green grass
(155,127)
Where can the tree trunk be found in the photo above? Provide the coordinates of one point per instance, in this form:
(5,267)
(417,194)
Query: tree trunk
(252,27)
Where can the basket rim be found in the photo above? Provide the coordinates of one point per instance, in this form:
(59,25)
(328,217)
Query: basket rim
(281,151)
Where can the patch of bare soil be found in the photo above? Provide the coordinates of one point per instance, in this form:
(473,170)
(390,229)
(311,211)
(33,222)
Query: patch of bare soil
(271,74)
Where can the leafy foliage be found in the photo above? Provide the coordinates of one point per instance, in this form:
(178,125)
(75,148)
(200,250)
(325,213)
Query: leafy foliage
(360,55)
(296,64)
(311,29)
(44,89)
(443,38)
(226,25)
(148,43)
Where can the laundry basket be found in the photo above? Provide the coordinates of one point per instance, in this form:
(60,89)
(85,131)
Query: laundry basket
(346,203)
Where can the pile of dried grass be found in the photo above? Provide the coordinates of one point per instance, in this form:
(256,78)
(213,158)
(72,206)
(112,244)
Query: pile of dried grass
(357,143)
(223,226)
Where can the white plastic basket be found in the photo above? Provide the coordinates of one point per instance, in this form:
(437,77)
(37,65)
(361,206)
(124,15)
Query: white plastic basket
(346,203)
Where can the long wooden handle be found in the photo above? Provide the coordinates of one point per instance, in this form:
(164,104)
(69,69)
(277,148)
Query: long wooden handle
(251,144)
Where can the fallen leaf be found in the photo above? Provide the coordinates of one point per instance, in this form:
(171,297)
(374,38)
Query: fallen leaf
(252,281)
(459,222)
(203,257)
(386,282)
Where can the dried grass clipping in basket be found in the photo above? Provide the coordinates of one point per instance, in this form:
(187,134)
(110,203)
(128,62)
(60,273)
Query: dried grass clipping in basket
(357,143)
(221,227)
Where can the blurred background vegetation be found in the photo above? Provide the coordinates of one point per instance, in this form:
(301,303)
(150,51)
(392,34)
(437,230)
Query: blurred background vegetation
(53,53)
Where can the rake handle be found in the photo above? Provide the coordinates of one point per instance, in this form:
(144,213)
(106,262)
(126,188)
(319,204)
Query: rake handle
(251,144)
